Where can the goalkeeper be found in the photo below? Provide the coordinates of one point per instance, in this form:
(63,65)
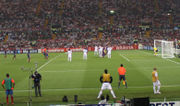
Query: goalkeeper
(106,80)
(155,51)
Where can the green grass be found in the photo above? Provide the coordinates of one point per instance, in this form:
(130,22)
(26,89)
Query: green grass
(81,77)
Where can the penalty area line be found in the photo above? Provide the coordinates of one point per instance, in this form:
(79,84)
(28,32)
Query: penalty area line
(59,71)
(47,63)
(173,61)
(124,57)
(164,58)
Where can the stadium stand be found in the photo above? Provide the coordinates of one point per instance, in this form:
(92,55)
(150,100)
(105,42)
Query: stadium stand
(38,24)
(70,23)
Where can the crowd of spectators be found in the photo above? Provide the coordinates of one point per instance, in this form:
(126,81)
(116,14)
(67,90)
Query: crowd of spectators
(76,23)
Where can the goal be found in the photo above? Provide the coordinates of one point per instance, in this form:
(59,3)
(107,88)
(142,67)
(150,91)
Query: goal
(177,52)
(165,48)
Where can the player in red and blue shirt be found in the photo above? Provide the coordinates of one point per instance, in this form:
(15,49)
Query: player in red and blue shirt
(9,86)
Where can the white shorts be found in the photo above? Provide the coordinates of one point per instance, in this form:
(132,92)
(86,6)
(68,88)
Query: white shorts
(106,86)
(157,83)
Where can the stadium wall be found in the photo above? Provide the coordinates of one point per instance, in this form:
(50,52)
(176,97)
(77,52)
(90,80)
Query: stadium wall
(20,51)
(145,47)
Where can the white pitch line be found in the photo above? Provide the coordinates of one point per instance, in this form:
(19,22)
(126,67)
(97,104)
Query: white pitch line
(47,62)
(165,59)
(173,61)
(124,57)
(66,71)
(70,89)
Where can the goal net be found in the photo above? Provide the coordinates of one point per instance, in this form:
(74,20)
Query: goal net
(177,52)
(165,48)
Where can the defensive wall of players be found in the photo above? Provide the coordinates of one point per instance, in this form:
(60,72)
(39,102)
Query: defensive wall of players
(54,50)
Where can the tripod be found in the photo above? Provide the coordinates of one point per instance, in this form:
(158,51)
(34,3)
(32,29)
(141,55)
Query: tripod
(30,70)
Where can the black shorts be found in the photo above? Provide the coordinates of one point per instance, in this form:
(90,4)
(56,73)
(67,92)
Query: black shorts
(122,77)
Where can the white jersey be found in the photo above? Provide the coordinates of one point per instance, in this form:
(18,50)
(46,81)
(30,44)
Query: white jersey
(69,53)
(96,49)
(109,49)
(101,48)
(85,51)
(100,51)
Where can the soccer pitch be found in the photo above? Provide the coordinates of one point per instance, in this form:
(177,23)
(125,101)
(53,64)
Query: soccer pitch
(81,77)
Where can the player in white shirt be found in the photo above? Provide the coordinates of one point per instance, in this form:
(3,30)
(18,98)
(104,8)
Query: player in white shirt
(85,51)
(100,51)
(109,49)
(95,50)
(69,55)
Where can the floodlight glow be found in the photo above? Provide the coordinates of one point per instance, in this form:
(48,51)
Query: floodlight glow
(112,11)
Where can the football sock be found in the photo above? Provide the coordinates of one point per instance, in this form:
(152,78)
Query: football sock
(100,93)
(126,84)
(154,88)
(158,89)
(12,99)
(7,99)
(119,84)
(113,94)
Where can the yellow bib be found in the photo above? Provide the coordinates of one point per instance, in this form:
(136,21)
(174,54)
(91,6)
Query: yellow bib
(106,77)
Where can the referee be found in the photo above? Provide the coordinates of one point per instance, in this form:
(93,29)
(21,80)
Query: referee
(122,72)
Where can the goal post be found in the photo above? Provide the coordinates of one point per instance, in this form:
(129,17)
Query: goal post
(177,52)
(165,48)
(177,48)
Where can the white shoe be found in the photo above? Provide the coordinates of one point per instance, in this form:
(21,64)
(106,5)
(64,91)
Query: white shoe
(158,92)
(114,97)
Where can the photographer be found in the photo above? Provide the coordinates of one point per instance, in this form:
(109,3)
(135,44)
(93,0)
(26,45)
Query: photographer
(37,77)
